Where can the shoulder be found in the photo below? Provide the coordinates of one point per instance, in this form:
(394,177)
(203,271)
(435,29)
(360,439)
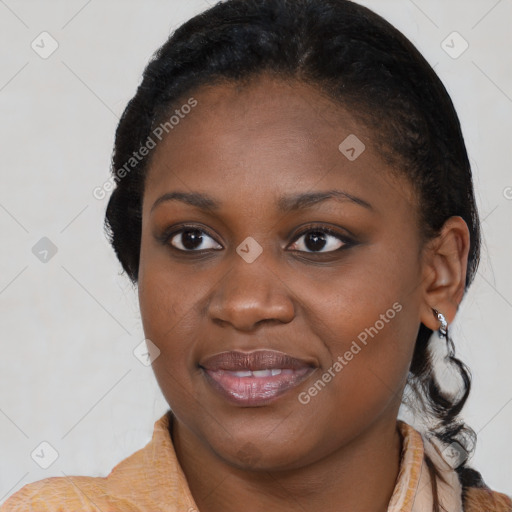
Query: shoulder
(56,494)
(150,479)
(478,499)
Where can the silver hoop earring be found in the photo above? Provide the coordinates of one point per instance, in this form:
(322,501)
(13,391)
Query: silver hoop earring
(443,328)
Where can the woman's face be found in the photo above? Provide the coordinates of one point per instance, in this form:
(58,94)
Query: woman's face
(280,341)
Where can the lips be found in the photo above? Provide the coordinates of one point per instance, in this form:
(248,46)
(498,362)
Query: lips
(254,378)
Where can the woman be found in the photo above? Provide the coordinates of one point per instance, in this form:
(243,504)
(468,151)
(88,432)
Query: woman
(295,204)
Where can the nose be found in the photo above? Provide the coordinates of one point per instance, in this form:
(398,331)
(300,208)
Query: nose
(251,294)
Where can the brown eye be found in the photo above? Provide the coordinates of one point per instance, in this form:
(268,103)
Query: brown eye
(319,240)
(193,239)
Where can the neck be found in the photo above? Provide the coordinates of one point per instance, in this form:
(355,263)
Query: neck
(358,477)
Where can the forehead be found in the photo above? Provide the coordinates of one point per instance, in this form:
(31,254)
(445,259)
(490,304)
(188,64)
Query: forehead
(266,135)
(238,116)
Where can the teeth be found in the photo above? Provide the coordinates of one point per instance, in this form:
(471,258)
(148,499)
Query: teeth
(242,374)
(261,373)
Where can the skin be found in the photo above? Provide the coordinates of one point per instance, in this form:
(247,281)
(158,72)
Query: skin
(246,147)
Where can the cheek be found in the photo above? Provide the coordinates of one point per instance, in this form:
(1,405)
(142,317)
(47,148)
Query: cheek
(372,294)
(368,336)
(168,294)
(168,305)
(167,310)
(366,315)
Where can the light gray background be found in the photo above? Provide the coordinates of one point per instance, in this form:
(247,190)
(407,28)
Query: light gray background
(69,326)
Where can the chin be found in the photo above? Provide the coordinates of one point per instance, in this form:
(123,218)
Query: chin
(259,453)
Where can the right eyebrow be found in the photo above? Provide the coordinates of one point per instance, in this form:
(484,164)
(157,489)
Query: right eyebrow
(202,201)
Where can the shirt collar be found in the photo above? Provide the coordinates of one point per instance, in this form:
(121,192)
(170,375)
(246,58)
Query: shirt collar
(164,482)
(413,489)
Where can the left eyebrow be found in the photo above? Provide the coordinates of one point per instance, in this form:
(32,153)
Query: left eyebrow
(285,204)
(295,202)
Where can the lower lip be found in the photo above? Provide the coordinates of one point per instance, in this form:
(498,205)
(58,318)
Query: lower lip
(255,391)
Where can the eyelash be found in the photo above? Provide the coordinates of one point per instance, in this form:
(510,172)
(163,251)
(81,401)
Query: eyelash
(166,237)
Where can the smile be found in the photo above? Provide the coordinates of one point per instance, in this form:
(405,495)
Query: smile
(256,378)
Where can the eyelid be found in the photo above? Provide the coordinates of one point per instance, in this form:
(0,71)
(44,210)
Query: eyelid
(171,232)
(347,240)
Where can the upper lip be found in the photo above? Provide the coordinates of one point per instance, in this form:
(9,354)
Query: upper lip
(253,361)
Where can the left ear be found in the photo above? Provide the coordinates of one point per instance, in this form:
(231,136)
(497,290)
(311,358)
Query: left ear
(445,260)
